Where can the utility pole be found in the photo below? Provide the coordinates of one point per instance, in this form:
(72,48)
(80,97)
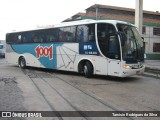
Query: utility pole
(139,15)
(97,7)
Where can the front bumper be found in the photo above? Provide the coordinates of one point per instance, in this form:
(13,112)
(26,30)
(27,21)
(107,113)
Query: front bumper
(131,72)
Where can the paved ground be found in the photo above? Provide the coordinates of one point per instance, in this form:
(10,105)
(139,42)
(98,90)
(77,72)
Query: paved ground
(45,90)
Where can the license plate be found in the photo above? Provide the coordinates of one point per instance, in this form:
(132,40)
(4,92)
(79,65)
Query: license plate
(137,72)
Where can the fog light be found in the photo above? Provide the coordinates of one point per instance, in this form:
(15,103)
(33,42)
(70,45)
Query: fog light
(126,67)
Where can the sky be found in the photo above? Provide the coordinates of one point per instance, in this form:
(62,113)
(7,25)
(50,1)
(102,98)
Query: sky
(28,14)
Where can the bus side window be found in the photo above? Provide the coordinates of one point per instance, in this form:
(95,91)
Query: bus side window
(67,34)
(62,36)
(55,36)
(102,38)
(113,51)
(24,38)
(82,33)
(79,34)
(48,35)
(17,38)
(42,36)
(108,40)
(52,35)
(35,38)
(70,34)
(86,33)
(38,36)
(91,33)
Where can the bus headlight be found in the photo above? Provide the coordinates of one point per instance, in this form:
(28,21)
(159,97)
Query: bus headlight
(126,67)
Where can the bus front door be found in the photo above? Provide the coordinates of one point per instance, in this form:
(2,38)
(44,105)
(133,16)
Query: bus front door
(114,67)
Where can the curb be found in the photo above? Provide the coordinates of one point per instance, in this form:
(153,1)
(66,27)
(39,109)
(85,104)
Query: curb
(152,72)
(146,74)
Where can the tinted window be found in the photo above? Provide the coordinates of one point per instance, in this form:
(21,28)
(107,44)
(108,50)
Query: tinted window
(14,38)
(67,34)
(26,37)
(86,33)
(108,41)
(52,35)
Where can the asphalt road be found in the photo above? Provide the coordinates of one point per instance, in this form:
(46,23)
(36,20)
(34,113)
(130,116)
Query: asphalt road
(47,90)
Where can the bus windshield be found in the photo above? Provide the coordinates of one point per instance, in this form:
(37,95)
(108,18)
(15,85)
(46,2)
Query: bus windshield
(131,42)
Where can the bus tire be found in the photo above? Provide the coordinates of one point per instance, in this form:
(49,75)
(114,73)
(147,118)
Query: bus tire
(22,63)
(88,69)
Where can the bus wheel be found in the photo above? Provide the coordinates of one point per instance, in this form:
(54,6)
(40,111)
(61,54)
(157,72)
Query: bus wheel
(22,63)
(88,69)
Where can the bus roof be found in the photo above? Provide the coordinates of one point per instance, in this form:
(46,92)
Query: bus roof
(78,22)
(88,21)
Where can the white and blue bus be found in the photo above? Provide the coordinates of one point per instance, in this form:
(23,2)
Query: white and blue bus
(103,47)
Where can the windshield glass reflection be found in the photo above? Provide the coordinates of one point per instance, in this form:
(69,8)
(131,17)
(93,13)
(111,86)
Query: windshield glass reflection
(132,45)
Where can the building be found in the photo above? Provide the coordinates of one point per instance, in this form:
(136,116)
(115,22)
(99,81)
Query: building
(151,23)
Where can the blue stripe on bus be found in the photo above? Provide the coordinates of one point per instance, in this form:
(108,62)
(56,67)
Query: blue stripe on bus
(47,60)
